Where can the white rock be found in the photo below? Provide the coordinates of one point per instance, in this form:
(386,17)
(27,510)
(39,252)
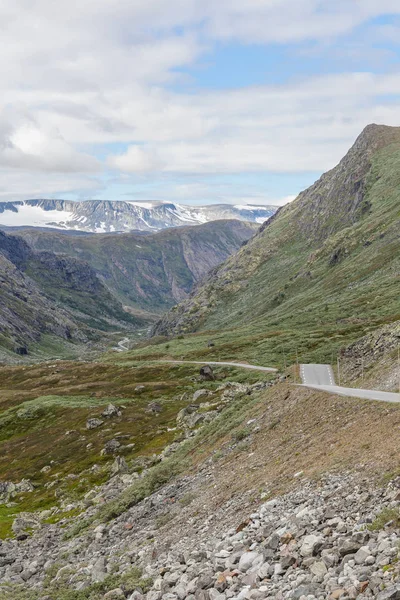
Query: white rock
(309,544)
(249,559)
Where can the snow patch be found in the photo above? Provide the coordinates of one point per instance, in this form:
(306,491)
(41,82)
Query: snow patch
(250,207)
(141,204)
(35,216)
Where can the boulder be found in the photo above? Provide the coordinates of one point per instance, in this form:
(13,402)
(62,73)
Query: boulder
(200,394)
(94,423)
(249,559)
(391,593)
(154,407)
(206,373)
(348,546)
(310,546)
(110,447)
(119,466)
(111,411)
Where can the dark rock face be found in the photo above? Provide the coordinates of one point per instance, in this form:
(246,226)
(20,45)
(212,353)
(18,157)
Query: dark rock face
(150,272)
(21,350)
(207,374)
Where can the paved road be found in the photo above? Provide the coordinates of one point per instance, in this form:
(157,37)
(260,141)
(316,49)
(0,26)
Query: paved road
(320,377)
(226,364)
(317,374)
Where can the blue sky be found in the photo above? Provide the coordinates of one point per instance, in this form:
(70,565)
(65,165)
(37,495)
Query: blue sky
(195,102)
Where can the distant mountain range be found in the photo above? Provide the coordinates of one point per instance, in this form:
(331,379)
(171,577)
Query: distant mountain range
(100,216)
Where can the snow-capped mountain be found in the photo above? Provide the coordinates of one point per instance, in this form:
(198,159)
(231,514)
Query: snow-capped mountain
(100,216)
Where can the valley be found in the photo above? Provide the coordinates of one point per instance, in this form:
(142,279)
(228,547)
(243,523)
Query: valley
(194,447)
(67,296)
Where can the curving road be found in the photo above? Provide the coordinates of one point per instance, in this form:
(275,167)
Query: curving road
(226,364)
(316,377)
(321,377)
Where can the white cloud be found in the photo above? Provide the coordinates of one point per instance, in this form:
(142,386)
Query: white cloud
(306,126)
(26,145)
(136,160)
(100,72)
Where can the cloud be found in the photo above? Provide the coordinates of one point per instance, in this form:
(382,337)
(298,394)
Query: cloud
(105,72)
(25,145)
(136,160)
(306,126)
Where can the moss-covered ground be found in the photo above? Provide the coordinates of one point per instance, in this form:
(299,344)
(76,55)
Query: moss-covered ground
(43,413)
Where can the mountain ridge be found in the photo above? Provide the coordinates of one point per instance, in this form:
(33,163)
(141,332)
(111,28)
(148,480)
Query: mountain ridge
(100,216)
(339,234)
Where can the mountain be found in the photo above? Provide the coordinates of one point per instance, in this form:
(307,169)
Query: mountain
(42,293)
(319,273)
(99,216)
(149,272)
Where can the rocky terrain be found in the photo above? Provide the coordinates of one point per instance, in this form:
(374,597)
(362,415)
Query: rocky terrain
(100,216)
(163,531)
(374,358)
(140,475)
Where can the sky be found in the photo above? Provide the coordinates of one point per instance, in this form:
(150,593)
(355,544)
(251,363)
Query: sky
(193,101)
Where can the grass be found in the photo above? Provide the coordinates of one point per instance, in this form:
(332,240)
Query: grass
(128,582)
(387,515)
(43,414)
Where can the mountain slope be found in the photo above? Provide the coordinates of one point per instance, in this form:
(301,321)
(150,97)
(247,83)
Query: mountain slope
(150,272)
(321,271)
(42,293)
(99,216)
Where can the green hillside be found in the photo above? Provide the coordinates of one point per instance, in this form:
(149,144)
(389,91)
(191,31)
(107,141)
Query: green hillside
(320,274)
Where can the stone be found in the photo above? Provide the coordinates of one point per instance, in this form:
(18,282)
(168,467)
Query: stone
(94,423)
(287,561)
(330,557)
(319,569)
(248,560)
(391,593)
(119,466)
(110,447)
(310,546)
(206,580)
(114,594)
(111,411)
(154,407)
(99,570)
(348,546)
(200,394)
(362,554)
(206,373)
(273,542)
(305,590)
